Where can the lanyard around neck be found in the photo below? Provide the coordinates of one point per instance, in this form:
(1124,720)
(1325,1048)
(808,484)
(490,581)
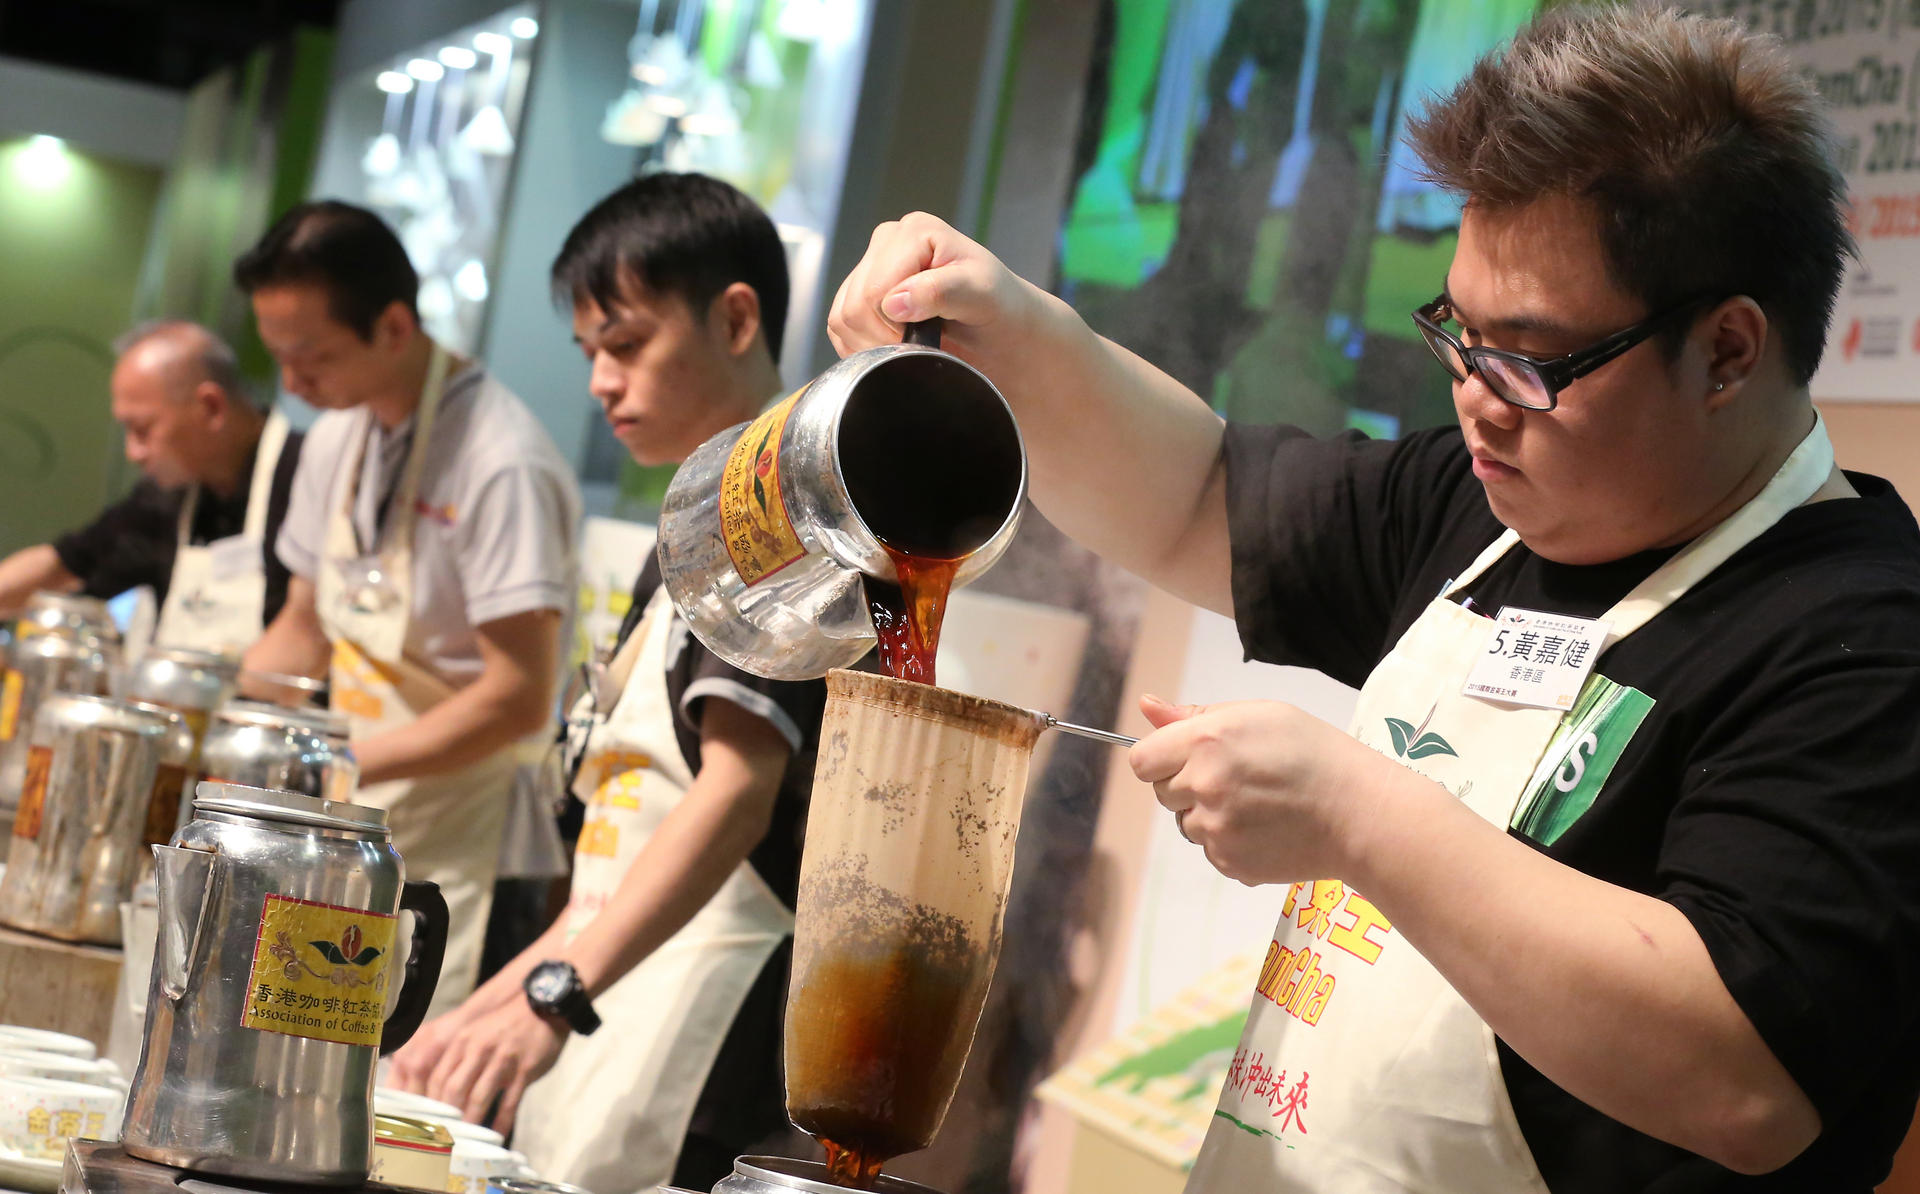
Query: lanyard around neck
(405,486)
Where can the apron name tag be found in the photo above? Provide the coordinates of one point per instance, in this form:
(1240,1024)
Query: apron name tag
(1536,659)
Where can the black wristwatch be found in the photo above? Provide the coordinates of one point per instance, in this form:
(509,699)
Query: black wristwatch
(556,992)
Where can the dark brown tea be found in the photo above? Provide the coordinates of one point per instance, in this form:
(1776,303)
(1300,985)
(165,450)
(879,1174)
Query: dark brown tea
(879,1056)
(932,467)
(907,616)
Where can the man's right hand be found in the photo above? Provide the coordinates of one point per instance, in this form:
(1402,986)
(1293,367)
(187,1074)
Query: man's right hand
(1090,412)
(917,268)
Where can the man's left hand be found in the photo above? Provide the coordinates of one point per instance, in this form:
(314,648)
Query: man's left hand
(498,1055)
(1271,793)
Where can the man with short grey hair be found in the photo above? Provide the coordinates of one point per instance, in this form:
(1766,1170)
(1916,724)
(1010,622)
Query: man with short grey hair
(196,526)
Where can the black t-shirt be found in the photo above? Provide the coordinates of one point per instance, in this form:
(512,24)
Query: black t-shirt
(1770,788)
(132,542)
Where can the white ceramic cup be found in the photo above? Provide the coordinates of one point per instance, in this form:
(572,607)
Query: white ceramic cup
(99,1071)
(389,1101)
(14,1036)
(39,1115)
(474,1161)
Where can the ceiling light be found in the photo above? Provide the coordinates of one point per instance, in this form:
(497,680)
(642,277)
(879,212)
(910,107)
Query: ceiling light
(493,43)
(393,82)
(43,162)
(458,57)
(470,282)
(525,27)
(487,133)
(425,69)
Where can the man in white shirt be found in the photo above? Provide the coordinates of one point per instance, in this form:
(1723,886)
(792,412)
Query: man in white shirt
(431,536)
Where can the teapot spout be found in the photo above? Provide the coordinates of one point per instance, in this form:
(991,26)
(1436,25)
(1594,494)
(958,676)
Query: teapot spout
(182,880)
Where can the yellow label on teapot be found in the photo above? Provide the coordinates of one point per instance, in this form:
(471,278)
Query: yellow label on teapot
(753,514)
(10,689)
(320,971)
(33,792)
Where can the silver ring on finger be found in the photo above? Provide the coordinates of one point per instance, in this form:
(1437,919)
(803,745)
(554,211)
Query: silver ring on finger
(1180,823)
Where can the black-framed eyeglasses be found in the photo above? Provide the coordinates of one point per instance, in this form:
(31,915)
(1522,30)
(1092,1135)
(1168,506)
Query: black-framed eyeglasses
(1530,382)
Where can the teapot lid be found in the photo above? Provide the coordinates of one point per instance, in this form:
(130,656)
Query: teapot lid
(77,709)
(84,646)
(270,804)
(277,717)
(190,657)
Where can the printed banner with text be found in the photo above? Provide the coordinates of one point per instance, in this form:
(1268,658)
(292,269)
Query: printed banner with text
(1864,55)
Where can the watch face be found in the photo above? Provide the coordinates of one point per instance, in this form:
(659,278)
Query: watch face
(548,983)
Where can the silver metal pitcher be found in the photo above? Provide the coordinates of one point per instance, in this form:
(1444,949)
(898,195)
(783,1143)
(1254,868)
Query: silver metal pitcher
(768,528)
(277,964)
(271,746)
(42,665)
(94,767)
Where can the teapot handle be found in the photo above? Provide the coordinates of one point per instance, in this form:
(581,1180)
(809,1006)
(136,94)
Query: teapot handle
(430,922)
(926,333)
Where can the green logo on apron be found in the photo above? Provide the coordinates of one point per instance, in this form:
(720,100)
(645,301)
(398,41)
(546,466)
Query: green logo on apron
(1580,757)
(1413,742)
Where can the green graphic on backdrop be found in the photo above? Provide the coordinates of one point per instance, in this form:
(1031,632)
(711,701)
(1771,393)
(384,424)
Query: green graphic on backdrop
(1199,1055)
(1248,219)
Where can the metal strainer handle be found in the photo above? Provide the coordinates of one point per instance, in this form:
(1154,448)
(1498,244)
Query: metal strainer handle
(1067,727)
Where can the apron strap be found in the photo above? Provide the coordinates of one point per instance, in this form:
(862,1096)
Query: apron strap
(416,455)
(183,530)
(266,462)
(620,668)
(1499,547)
(422,432)
(1797,480)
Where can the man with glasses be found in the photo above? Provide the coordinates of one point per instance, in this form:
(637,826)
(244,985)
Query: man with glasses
(1530,382)
(1619,888)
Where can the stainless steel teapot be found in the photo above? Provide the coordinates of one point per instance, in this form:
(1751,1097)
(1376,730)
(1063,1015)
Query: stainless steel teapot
(42,665)
(96,767)
(192,681)
(261,745)
(767,529)
(276,983)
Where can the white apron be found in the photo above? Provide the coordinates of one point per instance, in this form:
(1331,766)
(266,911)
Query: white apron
(1361,1071)
(218,590)
(446,827)
(611,1114)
